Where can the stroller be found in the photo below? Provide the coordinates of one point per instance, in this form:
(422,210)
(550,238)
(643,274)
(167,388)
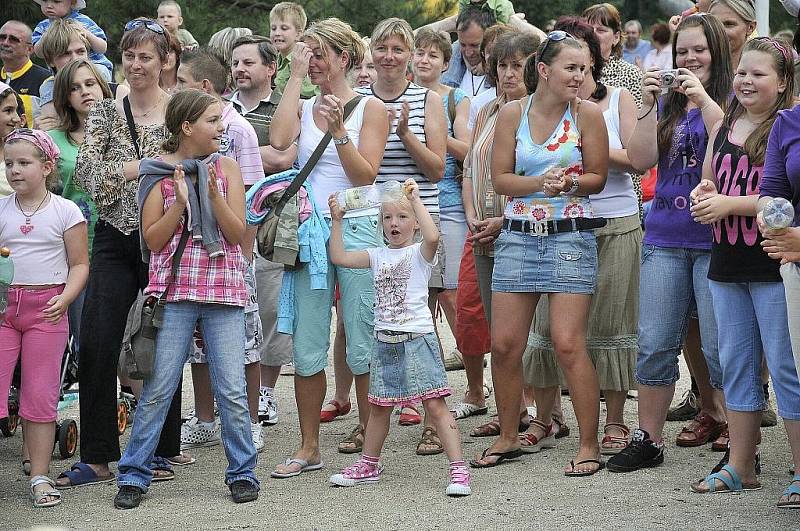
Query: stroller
(66,438)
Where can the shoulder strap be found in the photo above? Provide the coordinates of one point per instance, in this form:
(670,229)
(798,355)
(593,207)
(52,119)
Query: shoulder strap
(176,258)
(312,160)
(126,106)
(451,106)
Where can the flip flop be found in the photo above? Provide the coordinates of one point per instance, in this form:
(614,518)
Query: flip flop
(304,467)
(600,466)
(463,410)
(501,456)
(80,475)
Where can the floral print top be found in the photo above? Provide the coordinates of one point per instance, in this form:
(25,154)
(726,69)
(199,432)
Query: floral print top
(562,149)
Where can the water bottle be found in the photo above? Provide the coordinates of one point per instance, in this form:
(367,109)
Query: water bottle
(778,214)
(6,276)
(369,196)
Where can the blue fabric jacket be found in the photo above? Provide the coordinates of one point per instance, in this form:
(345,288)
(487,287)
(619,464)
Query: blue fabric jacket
(456,69)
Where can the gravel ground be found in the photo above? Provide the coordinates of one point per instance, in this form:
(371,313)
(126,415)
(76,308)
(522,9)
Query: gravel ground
(530,492)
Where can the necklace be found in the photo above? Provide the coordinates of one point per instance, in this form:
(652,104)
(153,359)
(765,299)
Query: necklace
(27,228)
(151,109)
(475,91)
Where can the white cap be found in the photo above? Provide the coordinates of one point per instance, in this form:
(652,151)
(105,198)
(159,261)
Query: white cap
(80,4)
(791,6)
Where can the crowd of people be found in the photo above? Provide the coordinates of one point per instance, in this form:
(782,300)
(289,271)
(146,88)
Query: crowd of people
(624,180)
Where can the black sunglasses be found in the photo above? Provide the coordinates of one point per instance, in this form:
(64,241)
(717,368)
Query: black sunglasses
(152,25)
(555,36)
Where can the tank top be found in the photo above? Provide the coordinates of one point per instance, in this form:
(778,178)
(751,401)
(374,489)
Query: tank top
(328,175)
(397,163)
(618,199)
(736,253)
(199,278)
(561,149)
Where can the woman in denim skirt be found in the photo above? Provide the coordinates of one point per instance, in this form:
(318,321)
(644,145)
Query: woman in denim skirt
(550,153)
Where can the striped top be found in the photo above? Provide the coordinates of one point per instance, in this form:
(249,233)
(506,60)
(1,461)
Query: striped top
(397,163)
(199,278)
(260,117)
(478,167)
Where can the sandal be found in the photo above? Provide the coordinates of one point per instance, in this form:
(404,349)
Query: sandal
(700,431)
(162,469)
(81,474)
(409,419)
(501,456)
(338,411)
(354,443)
(731,483)
(182,459)
(531,444)
(572,473)
(726,458)
(463,410)
(614,444)
(563,429)
(429,438)
(40,498)
(492,429)
(792,490)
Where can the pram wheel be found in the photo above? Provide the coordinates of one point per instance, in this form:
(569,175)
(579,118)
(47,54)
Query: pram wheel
(8,425)
(67,433)
(122,415)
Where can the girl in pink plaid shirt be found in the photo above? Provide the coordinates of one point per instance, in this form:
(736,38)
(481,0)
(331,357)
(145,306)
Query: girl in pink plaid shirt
(208,289)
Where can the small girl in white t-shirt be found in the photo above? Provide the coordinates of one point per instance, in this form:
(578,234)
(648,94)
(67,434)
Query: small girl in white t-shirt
(406,366)
(48,241)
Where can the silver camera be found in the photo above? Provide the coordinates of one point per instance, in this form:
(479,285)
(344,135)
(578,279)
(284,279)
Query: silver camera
(669,80)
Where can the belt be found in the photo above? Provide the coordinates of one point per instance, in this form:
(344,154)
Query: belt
(390,336)
(543,228)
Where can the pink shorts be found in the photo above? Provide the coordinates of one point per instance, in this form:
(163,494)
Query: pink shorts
(41,346)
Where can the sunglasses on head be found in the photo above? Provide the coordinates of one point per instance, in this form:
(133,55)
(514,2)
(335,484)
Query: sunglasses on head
(555,36)
(152,25)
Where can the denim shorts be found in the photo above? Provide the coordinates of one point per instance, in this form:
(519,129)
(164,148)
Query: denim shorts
(564,262)
(453,225)
(752,319)
(674,281)
(407,372)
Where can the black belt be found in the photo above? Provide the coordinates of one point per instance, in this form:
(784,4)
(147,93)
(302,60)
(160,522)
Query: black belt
(543,228)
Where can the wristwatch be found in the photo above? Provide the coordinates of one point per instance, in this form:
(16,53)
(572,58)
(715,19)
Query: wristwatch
(341,141)
(574,188)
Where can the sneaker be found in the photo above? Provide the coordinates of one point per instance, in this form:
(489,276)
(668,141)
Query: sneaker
(459,482)
(688,408)
(196,434)
(768,417)
(258,437)
(267,408)
(128,497)
(243,491)
(358,472)
(640,453)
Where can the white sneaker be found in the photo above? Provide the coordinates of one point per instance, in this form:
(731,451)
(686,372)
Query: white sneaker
(196,434)
(267,408)
(258,437)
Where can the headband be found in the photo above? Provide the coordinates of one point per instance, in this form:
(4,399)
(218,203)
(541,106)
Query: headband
(38,138)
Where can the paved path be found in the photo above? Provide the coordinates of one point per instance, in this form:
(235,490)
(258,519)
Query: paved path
(529,493)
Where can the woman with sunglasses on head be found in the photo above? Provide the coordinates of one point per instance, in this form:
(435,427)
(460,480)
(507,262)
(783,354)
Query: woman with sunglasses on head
(107,167)
(550,153)
(672,132)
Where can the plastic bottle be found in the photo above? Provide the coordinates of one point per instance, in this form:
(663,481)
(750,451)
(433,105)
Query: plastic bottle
(369,196)
(778,214)
(6,276)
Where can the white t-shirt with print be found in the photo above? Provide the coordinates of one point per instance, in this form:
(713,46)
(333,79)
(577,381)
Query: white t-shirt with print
(401,289)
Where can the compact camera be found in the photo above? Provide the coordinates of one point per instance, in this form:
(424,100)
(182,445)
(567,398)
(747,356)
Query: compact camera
(669,80)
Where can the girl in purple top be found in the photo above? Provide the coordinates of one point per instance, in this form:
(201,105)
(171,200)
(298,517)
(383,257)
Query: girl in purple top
(745,283)
(676,250)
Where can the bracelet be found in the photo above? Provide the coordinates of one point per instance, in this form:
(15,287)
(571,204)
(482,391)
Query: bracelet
(648,112)
(574,188)
(341,141)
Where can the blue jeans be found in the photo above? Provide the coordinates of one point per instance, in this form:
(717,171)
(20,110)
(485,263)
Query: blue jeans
(751,317)
(673,282)
(223,332)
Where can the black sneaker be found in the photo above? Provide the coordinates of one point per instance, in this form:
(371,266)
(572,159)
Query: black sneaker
(243,491)
(128,497)
(640,453)
(687,409)
(726,458)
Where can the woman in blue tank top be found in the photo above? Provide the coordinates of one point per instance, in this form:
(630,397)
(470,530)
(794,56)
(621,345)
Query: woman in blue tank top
(550,153)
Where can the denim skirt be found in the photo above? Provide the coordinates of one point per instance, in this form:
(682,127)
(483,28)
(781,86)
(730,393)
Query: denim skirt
(564,262)
(407,373)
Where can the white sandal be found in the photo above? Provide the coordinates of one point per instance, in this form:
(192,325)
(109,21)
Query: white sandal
(463,410)
(39,498)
